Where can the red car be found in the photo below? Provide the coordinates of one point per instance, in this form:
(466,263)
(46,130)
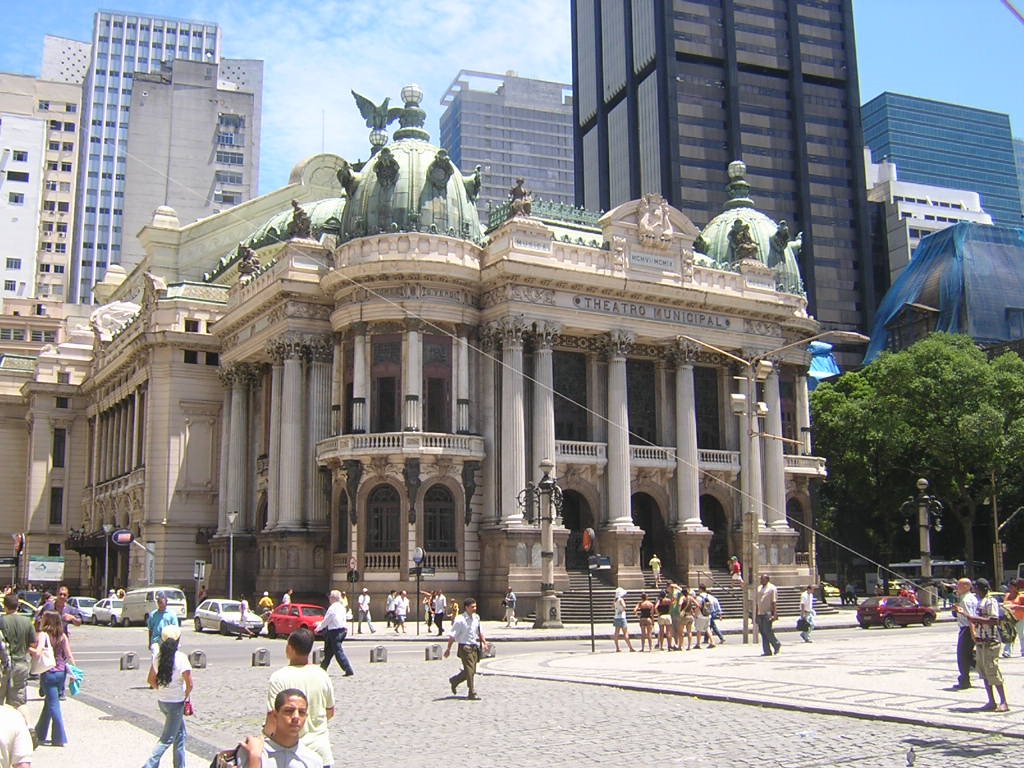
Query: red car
(285,619)
(893,611)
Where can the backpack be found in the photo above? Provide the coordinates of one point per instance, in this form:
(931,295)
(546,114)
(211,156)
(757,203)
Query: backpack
(1007,626)
(705,606)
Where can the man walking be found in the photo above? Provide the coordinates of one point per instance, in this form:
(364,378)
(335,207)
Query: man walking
(466,631)
(439,606)
(767,614)
(20,634)
(716,614)
(363,608)
(159,619)
(401,608)
(334,625)
(510,608)
(966,607)
(315,684)
(655,563)
(985,629)
(807,613)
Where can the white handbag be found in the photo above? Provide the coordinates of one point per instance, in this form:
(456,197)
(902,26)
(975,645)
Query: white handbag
(45,661)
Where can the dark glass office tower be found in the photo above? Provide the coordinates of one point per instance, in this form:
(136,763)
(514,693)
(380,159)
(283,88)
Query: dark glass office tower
(947,145)
(668,92)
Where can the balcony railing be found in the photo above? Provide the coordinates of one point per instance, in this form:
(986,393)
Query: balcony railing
(652,456)
(442,561)
(805,465)
(342,447)
(578,452)
(382,561)
(712,458)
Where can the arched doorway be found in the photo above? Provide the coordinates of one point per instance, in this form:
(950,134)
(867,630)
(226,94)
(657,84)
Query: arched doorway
(576,516)
(712,516)
(657,539)
(382,542)
(798,520)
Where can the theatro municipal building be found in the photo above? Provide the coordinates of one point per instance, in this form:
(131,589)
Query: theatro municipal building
(325,378)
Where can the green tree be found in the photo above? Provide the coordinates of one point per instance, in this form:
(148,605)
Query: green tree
(940,410)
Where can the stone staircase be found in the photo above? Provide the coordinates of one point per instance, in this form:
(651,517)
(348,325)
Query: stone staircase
(576,602)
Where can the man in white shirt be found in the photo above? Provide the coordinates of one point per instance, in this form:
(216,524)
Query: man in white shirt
(807,613)
(317,687)
(334,625)
(401,608)
(466,631)
(286,598)
(363,608)
(440,608)
(965,608)
(15,739)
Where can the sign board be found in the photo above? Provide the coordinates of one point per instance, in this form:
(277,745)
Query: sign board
(43,568)
(122,537)
(418,555)
(8,562)
(424,570)
(199,570)
(599,563)
(150,548)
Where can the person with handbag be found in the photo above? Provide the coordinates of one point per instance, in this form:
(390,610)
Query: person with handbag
(807,614)
(50,657)
(171,676)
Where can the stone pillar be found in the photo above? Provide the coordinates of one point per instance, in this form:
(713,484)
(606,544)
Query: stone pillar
(319,427)
(462,382)
(136,429)
(488,427)
(803,415)
(513,428)
(290,496)
(225,452)
(274,451)
(238,464)
(618,345)
(118,438)
(545,335)
(412,377)
(360,377)
(774,461)
(687,469)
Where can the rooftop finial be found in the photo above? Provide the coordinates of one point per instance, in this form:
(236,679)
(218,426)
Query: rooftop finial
(738,188)
(412,117)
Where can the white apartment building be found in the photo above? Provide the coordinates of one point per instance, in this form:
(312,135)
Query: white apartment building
(910,211)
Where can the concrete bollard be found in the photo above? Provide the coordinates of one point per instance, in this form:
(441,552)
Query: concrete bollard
(197,659)
(318,655)
(261,657)
(378,655)
(129,660)
(432,652)
(490,652)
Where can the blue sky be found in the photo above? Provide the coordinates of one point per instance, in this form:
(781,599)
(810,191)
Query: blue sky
(963,51)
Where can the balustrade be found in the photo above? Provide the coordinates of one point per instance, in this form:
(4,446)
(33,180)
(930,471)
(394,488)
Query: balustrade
(382,561)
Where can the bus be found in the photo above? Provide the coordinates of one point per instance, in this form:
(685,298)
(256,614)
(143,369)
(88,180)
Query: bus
(945,572)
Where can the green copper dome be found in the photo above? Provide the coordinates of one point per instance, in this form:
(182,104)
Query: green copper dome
(408,185)
(742,232)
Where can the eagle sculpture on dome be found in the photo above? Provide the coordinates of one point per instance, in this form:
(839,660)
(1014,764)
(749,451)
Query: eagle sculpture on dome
(376,116)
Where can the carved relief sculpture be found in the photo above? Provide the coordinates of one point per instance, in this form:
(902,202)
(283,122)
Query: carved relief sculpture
(741,242)
(300,227)
(248,264)
(653,226)
(522,199)
(386,168)
(439,171)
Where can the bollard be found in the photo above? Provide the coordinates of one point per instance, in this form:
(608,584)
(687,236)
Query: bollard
(318,655)
(261,657)
(378,655)
(489,653)
(432,652)
(129,660)
(197,659)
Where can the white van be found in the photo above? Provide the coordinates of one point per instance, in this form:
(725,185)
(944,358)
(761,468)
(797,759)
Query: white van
(139,603)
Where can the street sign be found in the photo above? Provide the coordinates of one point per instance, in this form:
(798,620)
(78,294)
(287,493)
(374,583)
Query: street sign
(122,537)
(599,563)
(353,576)
(417,555)
(43,568)
(423,570)
(199,570)
(8,562)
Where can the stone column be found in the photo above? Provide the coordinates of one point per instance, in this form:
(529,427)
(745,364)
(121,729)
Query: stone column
(462,382)
(136,428)
(412,377)
(274,451)
(545,334)
(488,427)
(109,448)
(774,461)
(319,427)
(803,415)
(225,452)
(513,428)
(238,464)
(290,496)
(360,377)
(618,344)
(118,438)
(687,459)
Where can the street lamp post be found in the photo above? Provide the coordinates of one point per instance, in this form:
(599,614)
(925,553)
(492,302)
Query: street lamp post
(107,530)
(232,516)
(543,502)
(754,368)
(929,515)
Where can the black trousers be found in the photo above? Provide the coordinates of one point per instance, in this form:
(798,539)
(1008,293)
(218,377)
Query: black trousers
(333,639)
(964,656)
(439,623)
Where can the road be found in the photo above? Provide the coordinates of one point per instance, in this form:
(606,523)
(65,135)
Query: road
(402,712)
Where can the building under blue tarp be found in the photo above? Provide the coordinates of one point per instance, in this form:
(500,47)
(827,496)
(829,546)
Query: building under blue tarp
(823,364)
(966,279)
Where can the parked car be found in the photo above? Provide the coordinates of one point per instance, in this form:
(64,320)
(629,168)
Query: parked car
(107,611)
(221,615)
(35,598)
(84,606)
(26,608)
(893,611)
(829,590)
(139,603)
(285,619)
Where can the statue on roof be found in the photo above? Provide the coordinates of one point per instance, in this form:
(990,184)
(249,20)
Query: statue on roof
(300,227)
(377,116)
(522,199)
(741,242)
(248,264)
(653,225)
(473,184)
(439,171)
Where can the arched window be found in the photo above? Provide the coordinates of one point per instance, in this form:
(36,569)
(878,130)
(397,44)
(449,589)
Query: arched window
(383,516)
(439,520)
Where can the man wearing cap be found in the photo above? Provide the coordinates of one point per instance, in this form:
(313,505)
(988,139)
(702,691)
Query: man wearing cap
(363,612)
(334,625)
(159,619)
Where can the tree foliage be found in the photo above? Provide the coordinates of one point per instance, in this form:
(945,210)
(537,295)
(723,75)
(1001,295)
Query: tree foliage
(939,410)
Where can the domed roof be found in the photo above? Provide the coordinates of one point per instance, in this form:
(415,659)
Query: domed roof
(409,185)
(323,215)
(742,232)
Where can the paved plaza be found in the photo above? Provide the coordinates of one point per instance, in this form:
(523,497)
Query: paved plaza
(853,696)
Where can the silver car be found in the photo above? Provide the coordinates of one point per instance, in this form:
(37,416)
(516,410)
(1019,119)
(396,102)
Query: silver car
(225,616)
(107,611)
(84,605)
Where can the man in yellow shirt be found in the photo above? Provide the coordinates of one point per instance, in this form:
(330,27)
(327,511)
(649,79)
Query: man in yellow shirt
(266,602)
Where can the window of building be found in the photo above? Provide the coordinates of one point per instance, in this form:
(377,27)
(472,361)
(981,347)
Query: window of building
(56,505)
(63,207)
(53,550)
(44,267)
(437,376)
(44,106)
(69,127)
(191,357)
(383,520)
(17,176)
(58,269)
(19,156)
(63,377)
(60,438)
(229,177)
(191,326)
(70,107)
(65,167)
(212,358)
(230,158)
(67,146)
(15,198)
(439,520)
(63,402)
(10,285)
(45,337)
(708,417)
(386,373)
(53,146)
(14,263)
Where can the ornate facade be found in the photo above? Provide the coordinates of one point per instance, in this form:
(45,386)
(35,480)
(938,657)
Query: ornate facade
(356,369)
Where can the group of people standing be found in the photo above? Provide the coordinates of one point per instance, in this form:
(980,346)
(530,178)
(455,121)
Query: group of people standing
(679,614)
(981,638)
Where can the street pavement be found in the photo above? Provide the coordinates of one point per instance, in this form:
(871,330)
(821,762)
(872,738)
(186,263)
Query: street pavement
(853,696)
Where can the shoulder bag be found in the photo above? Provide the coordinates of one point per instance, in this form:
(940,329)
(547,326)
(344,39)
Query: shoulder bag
(45,661)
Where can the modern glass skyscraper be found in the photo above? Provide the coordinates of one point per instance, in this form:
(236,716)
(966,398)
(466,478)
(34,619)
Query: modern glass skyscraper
(515,127)
(947,145)
(668,92)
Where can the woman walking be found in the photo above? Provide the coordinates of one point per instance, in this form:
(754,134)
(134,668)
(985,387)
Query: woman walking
(171,676)
(620,622)
(645,612)
(52,639)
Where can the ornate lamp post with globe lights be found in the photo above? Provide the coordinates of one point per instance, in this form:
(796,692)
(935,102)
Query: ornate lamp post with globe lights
(929,516)
(543,503)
